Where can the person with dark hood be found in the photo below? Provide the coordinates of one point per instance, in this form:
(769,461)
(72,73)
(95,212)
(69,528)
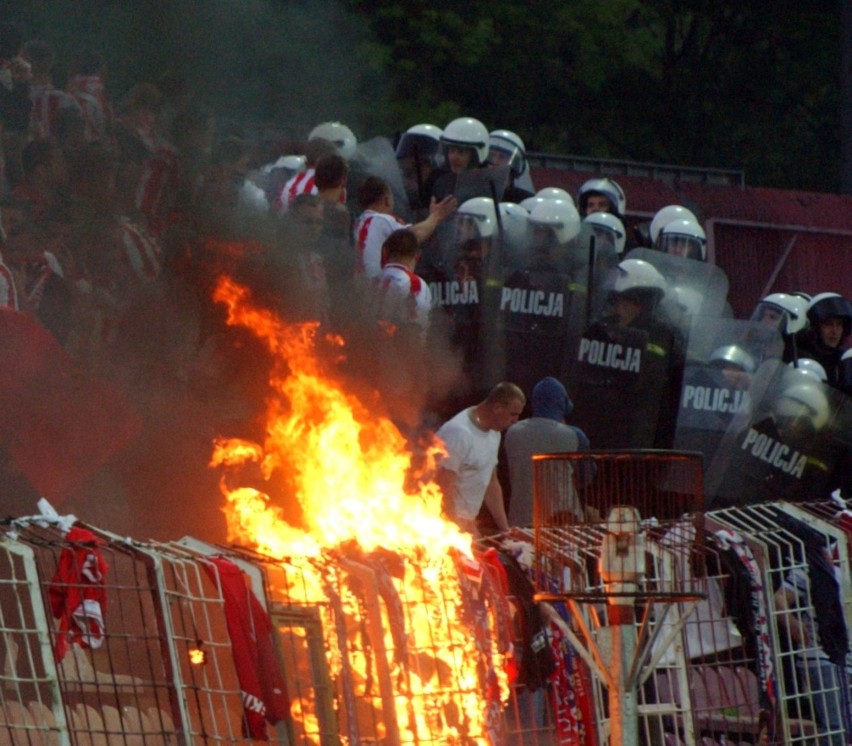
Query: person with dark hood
(545,431)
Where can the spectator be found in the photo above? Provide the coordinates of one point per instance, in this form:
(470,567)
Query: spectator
(545,431)
(45,177)
(47,99)
(86,84)
(303,182)
(467,474)
(377,222)
(15,105)
(401,303)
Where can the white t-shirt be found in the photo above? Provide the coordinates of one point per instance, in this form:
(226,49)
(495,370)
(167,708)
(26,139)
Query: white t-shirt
(371,231)
(472,455)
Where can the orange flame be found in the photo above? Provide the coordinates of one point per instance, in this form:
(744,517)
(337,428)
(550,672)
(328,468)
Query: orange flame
(348,468)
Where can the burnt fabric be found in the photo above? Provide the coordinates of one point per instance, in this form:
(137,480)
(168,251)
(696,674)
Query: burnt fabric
(77,593)
(262,685)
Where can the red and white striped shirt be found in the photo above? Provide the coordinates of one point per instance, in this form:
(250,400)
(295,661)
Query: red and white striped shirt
(156,191)
(401,297)
(301,183)
(141,249)
(371,231)
(89,93)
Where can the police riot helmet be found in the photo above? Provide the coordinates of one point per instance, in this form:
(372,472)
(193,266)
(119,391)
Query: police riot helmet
(339,134)
(609,225)
(639,280)
(422,141)
(689,300)
(531,202)
(665,215)
(824,306)
(554,193)
(512,147)
(516,223)
(791,308)
(606,187)
(559,216)
(732,355)
(480,210)
(686,233)
(811,367)
(804,399)
(467,132)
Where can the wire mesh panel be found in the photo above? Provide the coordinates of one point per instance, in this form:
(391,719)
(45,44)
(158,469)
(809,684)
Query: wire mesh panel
(800,570)
(622,578)
(104,640)
(31,710)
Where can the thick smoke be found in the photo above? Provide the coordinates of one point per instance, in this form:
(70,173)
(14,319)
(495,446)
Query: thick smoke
(270,72)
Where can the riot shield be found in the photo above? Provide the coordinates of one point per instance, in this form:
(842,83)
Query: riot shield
(377,157)
(625,374)
(489,181)
(543,307)
(785,445)
(722,355)
(695,288)
(455,262)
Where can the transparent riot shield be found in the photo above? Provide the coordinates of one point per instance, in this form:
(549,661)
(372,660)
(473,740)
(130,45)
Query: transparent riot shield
(626,373)
(455,262)
(722,355)
(377,157)
(785,445)
(489,181)
(695,288)
(543,307)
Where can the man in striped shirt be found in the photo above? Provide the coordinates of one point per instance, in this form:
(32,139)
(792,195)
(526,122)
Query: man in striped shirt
(377,222)
(303,181)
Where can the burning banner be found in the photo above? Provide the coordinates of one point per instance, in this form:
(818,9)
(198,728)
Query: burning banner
(409,629)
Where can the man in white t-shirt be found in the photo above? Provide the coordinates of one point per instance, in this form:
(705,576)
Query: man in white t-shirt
(467,474)
(377,222)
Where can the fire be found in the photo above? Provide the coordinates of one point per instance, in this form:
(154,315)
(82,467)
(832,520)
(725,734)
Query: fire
(351,471)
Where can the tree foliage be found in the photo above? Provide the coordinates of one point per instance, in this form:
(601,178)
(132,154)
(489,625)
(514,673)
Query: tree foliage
(697,82)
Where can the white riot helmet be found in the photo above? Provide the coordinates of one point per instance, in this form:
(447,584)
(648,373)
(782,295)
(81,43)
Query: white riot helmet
(516,224)
(609,226)
(554,193)
(684,237)
(467,132)
(788,312)
(606,187)
(732,355)
(639,278)
(559,216)
(479,210)
(824,306)
(422,141)
(688,300)
(508,145)
(291,163)
(531,202)
(339,134)
(666,215)
(804,399)
(811,367)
